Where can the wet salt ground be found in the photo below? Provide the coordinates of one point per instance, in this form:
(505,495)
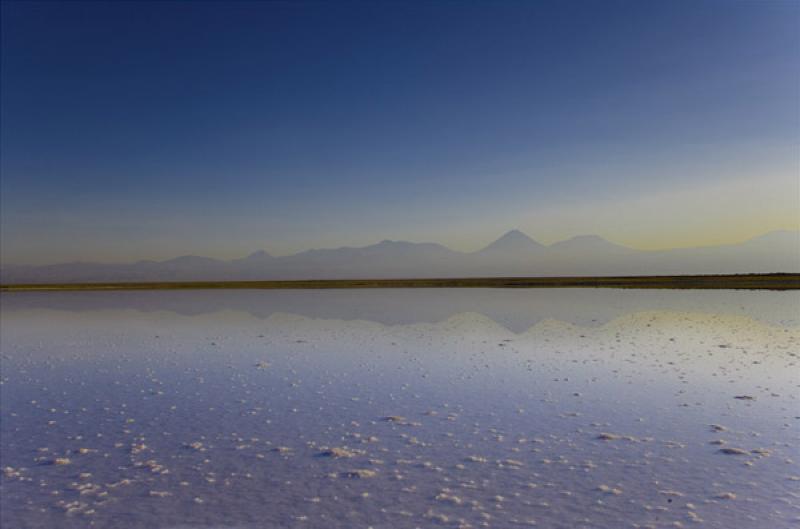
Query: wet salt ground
(225,419)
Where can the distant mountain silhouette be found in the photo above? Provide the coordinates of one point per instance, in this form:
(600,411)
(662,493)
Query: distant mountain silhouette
(584,243)
(256,257)
(513,242)
(513,254)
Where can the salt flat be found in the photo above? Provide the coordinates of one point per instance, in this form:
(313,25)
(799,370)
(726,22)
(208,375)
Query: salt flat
(452,408)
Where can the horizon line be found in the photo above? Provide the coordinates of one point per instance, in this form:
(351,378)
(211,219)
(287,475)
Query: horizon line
(504,234)
(746,281)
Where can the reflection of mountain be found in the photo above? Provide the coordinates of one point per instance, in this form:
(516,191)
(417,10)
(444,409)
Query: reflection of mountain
(514,309)
(513,254)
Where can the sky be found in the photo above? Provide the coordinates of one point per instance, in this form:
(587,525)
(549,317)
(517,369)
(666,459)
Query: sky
(147,130)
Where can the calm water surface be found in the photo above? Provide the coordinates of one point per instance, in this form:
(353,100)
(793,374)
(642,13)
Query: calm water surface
(573,408)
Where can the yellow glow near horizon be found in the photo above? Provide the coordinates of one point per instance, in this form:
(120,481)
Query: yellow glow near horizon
(705,215)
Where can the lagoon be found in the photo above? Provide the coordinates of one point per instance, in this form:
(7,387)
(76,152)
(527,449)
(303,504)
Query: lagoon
(400,408)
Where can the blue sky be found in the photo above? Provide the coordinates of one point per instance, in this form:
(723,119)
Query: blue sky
(149,130)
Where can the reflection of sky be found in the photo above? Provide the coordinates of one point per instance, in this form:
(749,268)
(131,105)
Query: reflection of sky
(328,124)
(470,387)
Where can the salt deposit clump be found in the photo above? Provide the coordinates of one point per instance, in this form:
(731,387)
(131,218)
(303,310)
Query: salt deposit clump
(337,452)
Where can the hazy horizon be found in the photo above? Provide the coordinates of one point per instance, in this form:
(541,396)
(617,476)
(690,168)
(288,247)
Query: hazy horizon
(148,130)
(513,254)
(267,250)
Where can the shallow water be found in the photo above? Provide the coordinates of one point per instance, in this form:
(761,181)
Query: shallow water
(400,408)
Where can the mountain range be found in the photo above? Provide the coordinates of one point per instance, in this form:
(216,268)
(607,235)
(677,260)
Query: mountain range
(513,254)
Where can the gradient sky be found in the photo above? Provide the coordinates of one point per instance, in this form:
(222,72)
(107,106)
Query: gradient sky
(150,130)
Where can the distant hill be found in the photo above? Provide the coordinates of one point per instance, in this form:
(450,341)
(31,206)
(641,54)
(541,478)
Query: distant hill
(515,243)
(513,254)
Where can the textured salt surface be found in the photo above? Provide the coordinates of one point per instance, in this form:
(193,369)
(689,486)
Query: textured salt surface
(124,418)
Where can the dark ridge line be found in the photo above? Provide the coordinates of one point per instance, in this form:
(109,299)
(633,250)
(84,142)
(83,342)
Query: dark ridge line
(776,281)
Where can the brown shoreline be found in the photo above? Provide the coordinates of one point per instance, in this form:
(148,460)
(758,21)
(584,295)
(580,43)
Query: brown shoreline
(730,281)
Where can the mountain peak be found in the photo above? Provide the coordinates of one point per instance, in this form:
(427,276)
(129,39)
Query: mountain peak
(257,257)
(513,240)
(515,234)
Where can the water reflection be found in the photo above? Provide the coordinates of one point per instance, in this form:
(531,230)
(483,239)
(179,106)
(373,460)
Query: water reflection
(473,408)
(515,309)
